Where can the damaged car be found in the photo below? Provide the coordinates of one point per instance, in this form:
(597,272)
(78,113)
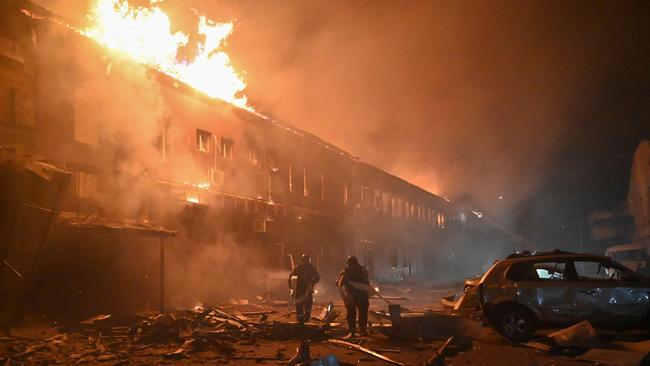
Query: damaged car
(525,292)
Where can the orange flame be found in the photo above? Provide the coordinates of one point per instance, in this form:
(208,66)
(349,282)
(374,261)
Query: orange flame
(144,34)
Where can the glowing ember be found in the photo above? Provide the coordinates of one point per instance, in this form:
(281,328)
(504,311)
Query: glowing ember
(192,197)
(144,34)
(203,185)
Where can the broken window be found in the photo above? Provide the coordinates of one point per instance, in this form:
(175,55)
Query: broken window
(226,148)
(290,178)
(164,141)
(263,225)
(322,187)
(385,203)
(365,196)
(86,184)
(591,270)
(253,158)
(203,140)
(377,200)
(394,256)
(550,270)
(305,188)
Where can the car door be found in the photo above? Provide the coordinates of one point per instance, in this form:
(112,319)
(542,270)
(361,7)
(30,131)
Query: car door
(545,291)
(608,293)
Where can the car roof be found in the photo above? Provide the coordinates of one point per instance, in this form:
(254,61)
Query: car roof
(565,256)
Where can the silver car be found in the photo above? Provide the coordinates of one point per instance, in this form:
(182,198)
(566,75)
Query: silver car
(525,292)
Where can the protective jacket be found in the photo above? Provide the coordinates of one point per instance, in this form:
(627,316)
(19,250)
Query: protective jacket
(307,277)
(354,273)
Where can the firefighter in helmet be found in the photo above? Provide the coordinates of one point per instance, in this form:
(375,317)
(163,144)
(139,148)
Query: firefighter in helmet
(303,293)
(355,290)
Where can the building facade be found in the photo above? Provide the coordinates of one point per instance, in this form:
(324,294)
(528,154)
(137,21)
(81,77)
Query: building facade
(145,148)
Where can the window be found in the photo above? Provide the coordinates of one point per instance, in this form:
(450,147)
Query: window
(591,270)
(305,187)
(86,184)
(377,200)
(550,270)
(164,140)
(226,148)
(346,194)
(203,140)
(322,187)
(290,178)
(521,272)
(253,159)
(543,271)
(385,203)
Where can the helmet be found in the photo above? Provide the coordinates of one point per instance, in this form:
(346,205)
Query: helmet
(305,258)
(352,260)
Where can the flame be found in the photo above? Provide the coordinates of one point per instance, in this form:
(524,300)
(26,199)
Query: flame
(202,185)
(192,197)
(144,34)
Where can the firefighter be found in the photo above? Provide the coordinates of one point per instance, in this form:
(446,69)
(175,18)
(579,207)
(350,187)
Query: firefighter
(355,290)
(303,293)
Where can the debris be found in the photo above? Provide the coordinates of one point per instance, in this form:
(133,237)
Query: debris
(106,357)
(365,350)
(438,358)
(433,326)
(581,335)
(29,350)
(253,313)
(279,303)
(302,355)
(238,302)
(189,346)
(329,314)
(449,301)
(643,346)
(329,360)
(613,357)
(13,269)
(537,345)
(96,319)
(388,350)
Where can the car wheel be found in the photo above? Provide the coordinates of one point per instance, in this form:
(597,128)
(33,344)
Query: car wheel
(516,323)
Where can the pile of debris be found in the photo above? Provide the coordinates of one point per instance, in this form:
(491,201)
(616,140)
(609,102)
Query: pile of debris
(583,343)
(170,335)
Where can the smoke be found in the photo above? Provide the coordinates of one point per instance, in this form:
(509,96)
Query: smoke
(465,100)
(455,98)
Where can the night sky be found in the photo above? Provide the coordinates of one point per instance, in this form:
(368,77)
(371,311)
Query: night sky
(532,108)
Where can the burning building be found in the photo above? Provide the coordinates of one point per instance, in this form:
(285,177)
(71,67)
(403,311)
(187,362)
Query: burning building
(146,150)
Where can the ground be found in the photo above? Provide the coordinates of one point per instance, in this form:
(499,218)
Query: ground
(272,339)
